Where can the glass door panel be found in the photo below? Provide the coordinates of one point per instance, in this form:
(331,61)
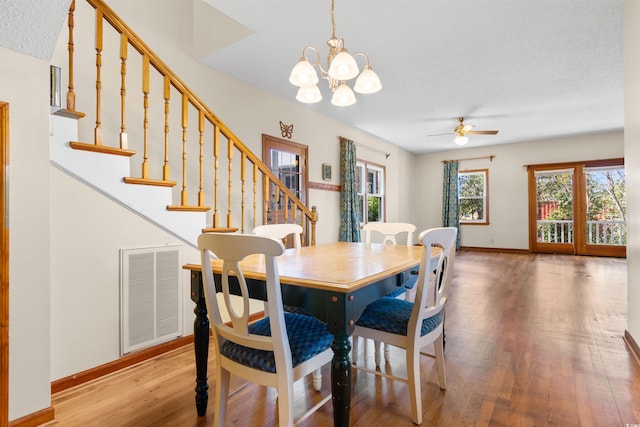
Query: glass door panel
(554,227)
(605,220)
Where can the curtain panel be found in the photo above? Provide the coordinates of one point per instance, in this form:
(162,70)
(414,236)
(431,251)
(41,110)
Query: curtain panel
(349,206)
(450,211)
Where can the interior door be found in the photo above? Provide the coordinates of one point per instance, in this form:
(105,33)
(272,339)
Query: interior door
(578,208)
(287,160)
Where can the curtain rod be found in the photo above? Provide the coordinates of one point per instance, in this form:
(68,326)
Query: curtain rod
(386,153)
(490,157)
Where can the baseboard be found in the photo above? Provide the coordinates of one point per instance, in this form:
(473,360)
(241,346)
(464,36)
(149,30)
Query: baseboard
(116,365)
(495,250)
(35,419)
(633,345)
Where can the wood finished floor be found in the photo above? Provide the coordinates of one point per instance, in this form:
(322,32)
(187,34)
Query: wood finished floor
(531,340)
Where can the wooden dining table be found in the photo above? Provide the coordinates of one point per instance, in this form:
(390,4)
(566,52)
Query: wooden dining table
(333,282)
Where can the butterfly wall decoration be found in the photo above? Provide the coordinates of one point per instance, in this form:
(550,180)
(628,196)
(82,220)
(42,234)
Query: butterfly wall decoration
(287,130)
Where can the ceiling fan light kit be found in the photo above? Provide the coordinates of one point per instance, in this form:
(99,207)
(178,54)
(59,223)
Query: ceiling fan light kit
(460,140)
(341,66)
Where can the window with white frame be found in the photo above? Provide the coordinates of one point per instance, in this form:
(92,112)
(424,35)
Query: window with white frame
(371,181)
(473,200)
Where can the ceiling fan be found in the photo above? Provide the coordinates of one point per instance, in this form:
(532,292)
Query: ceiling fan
(462,130)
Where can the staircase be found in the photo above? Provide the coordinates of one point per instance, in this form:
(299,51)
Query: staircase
(105,174)
(194,175)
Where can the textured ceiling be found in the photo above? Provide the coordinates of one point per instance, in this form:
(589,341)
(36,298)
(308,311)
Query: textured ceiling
(530,69)
(32,26)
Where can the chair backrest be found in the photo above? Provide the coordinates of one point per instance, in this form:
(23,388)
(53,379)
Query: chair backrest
(389,231)
(438,248)
(232,248)
(280,231)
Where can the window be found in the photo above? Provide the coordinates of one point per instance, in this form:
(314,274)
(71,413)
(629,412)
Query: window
(473,190)
(371,188)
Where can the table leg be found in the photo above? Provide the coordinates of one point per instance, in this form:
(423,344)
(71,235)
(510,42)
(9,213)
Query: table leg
(341,380)
(201,346)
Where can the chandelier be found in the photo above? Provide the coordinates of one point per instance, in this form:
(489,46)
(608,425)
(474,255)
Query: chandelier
(341,67)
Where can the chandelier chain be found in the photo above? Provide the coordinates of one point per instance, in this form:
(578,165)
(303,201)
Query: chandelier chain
(333,21)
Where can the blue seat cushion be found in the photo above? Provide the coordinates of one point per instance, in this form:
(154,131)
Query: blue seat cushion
(392,315)
(307,337)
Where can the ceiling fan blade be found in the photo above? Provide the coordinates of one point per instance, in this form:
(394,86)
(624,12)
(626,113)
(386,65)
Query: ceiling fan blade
(482,132)
(441,134)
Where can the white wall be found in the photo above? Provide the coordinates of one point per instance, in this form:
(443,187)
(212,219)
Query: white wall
(87,232)
(24,84)
(508,193)
(632,159)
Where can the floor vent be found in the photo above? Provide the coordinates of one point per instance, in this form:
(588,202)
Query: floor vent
(151,296)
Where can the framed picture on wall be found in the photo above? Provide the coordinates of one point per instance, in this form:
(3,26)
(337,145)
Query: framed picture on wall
(326,171)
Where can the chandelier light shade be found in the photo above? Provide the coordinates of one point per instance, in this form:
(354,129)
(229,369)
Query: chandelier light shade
(367,81)
(341,67)
(309,94)
(343,96)
(303,74)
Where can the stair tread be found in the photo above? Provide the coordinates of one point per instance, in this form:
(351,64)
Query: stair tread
(72,114)
(220,229)
(148,181)
(188,208)
(102,149)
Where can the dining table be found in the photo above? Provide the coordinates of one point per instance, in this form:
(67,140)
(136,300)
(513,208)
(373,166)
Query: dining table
(334,282)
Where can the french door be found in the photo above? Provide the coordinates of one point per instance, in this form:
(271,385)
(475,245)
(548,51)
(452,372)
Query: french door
(287,160)
(578,208)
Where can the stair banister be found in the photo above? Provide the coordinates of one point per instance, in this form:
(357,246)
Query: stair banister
(204,114)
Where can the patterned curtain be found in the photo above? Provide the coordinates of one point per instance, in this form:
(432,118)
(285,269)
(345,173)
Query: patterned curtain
(349,206)
(450,215)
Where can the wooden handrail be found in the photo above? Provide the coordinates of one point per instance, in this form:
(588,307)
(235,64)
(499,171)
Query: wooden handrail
(204,114)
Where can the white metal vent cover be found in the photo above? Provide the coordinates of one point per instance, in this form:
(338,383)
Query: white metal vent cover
(151,296)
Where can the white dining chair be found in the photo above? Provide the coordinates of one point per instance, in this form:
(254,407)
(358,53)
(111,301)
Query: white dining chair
(412,326)
(281,231)
(389,233)
(274,351)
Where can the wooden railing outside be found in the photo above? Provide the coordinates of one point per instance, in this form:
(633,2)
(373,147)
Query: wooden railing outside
(605,232)
(555,231)
(230,181)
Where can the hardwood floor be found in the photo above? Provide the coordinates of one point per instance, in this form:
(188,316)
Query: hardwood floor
(530,340)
